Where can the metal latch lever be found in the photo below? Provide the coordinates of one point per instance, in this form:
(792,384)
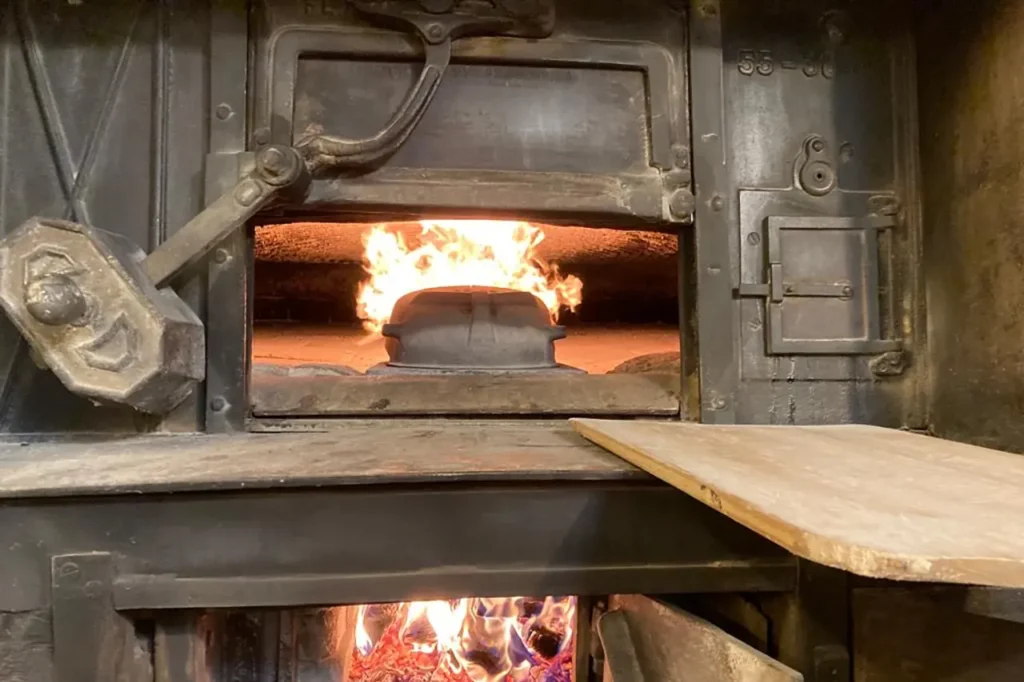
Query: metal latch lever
(279,169)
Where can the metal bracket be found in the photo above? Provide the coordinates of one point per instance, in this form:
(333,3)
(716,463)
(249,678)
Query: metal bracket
(646,639)
(678,183)
(778,289)
(622,664)
(91,641)
(278,169)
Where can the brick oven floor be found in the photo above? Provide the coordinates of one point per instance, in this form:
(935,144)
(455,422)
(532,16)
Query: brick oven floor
(594,349)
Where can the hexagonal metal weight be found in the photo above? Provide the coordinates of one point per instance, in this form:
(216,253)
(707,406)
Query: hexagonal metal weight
(81,299)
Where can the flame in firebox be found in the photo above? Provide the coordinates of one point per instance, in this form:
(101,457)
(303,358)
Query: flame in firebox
(494,253)
(465,640)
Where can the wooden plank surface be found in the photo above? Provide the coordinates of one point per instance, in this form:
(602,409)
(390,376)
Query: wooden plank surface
(355,453)
(872,501)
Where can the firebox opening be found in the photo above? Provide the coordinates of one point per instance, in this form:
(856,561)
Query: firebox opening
(325,291)
(514,639)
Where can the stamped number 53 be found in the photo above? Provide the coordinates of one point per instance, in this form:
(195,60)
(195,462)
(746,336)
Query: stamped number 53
(756,60)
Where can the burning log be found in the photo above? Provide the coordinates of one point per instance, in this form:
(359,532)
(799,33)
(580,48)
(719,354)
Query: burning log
(544,641)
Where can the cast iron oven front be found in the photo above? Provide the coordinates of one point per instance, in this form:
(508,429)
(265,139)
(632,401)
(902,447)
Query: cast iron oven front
(134,116)
(586,126)
(804,143)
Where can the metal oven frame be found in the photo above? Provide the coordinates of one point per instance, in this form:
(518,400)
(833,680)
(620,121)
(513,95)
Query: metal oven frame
(647,191)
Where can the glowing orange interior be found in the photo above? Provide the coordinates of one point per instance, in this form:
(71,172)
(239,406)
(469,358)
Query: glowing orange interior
(512,639)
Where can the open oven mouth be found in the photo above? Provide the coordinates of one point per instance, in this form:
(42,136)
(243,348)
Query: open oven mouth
(355,318)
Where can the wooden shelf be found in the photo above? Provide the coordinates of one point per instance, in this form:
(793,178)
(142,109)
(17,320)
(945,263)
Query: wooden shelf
(875,502)
(353,452)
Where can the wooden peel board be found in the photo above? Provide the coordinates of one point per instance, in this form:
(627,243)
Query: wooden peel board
(875,502)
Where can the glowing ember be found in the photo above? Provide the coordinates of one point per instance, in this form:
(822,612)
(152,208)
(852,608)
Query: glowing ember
(466,640)
(492,253)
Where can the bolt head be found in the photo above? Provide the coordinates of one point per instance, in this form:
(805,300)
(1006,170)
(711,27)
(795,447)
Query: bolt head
(681,155)
(248,192)
(273,160)
(435,31)
(682,204)
(278,165)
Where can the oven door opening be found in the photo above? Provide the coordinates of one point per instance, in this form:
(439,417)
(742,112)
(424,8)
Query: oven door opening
(453,317)
(472,639)
(459,640)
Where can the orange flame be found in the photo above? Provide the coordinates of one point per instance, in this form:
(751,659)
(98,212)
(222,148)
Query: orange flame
(494,253)
(482,640)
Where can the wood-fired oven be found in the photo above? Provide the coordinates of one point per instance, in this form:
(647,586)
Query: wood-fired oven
(712,209)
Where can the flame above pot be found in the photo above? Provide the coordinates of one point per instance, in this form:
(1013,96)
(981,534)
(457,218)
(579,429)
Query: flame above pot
(492,253)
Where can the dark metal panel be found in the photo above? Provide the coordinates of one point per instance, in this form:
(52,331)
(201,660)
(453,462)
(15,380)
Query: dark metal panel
(993,602)
(537,117)
(229,322)
(93,95)
(91,641)
(73,111)
(909,314)
(791,73)
(716,324)
(819,402)
(147,593)
(598,114)
(181,88)
(906,635)
(971,99)
(811,626)
(398,543)
(622,201)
